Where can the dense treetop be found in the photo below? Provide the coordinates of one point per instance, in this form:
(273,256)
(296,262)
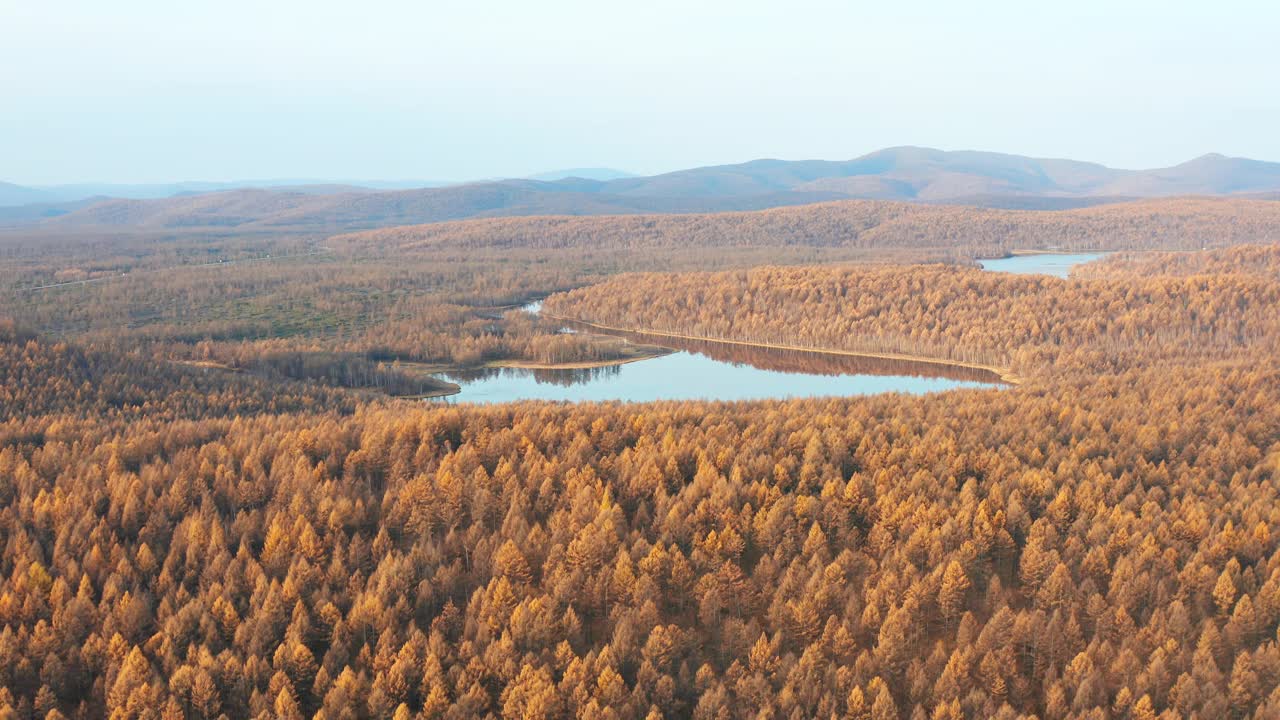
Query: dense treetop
(1101,541)
(1261,260)
(1034,323)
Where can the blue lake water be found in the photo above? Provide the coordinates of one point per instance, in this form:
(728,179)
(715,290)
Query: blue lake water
(699,375)
(1042,264)
(697,370)
(720,371)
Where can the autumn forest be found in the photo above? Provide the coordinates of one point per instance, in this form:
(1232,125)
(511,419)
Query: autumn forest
(233,483)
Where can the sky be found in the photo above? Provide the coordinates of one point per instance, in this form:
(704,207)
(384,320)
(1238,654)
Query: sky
(158,91)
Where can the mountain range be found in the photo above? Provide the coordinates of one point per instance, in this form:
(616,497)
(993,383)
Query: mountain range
(12,195)
(913,174)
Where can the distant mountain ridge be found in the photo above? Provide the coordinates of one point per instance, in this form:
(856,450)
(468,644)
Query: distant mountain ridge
(913,174)
(591,173)
(13,195)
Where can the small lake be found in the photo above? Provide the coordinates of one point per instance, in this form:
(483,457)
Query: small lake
(1057,265)
(698,370)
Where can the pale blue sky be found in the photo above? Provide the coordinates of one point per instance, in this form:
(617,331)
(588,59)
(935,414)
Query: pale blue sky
(158,90)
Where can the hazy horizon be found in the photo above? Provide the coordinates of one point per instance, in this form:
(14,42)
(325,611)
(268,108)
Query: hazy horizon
(143,92)
(388,182)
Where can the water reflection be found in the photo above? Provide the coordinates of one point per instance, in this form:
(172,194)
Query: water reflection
(554,376)
(777,360)
(806,362)
(707,370)
(685,375)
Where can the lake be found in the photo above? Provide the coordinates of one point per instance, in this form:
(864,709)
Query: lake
(697,370)
(1058,265)
(716,371)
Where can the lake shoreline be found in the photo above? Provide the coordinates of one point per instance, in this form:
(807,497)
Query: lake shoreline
(1032,253)
(580,365)
(642,352)
(434,394)
(1006,375)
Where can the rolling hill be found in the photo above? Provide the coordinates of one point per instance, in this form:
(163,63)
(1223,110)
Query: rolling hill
(12,195)
(15,195)
(895,173)
(913,173)
(269,209)
(1211,174)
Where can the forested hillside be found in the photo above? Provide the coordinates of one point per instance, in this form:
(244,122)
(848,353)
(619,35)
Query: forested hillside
(1099,542)
(286,306)
(855,558)
(1262,260)
(1179,223)
(40,377)
(257,209)
(1034,324)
